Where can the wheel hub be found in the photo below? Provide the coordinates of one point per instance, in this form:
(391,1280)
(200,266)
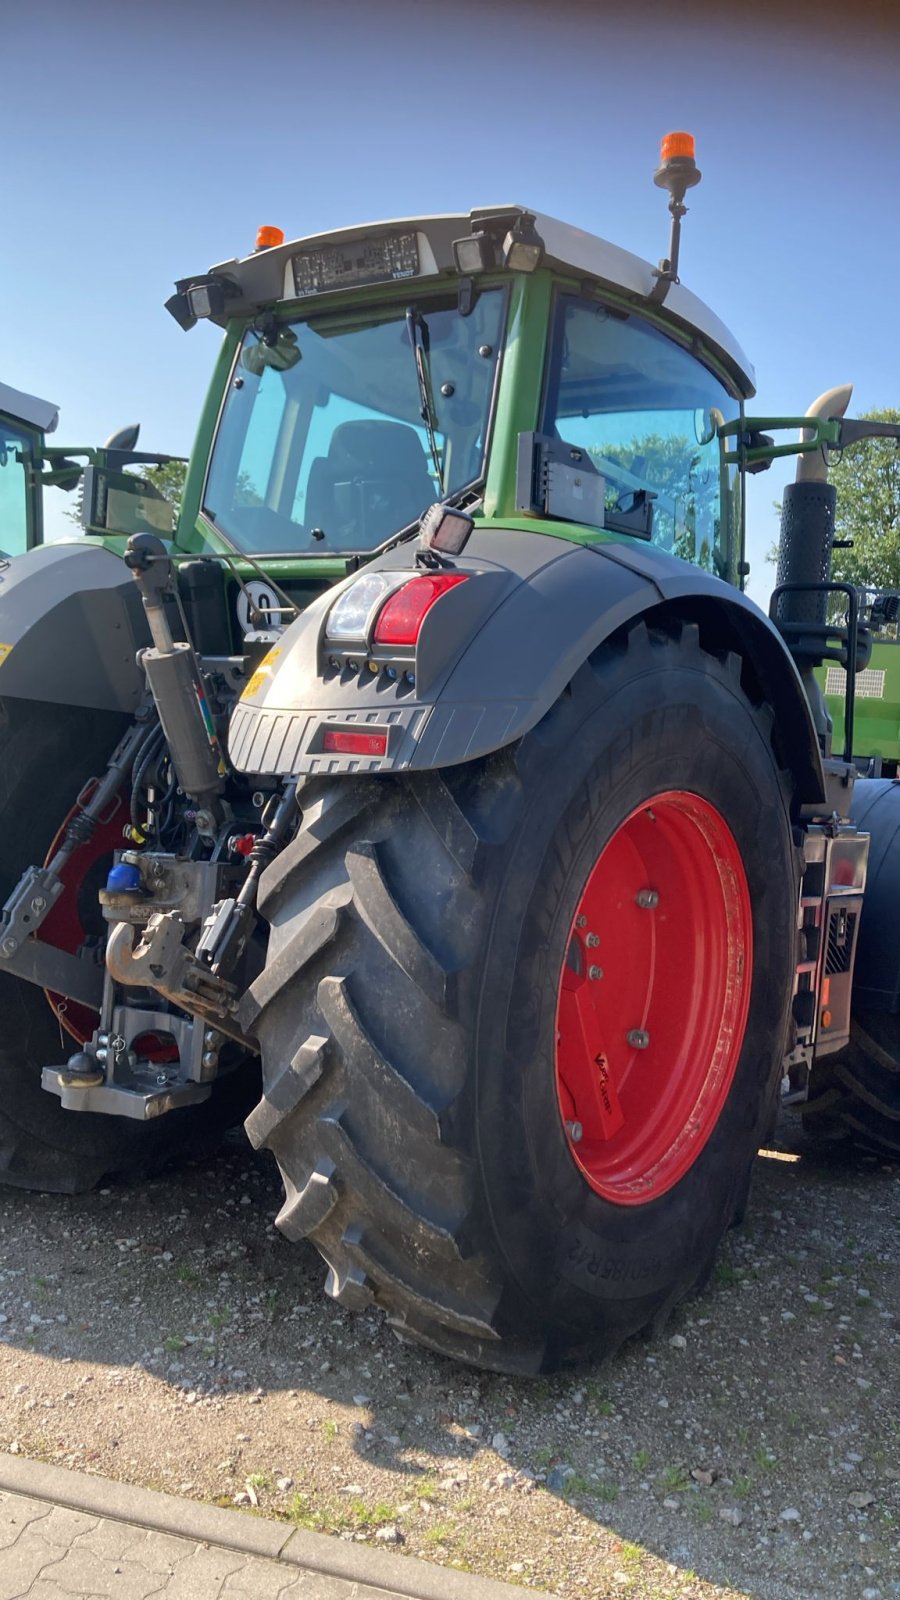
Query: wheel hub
(653,997)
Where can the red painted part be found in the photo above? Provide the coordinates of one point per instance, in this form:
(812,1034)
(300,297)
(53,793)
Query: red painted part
(401,618)
(347,742)
(675,976)
(76,915)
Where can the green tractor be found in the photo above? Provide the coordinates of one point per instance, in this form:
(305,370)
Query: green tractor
(435,785)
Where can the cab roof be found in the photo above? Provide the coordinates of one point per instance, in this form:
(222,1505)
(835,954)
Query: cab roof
(271,275)
(22,407)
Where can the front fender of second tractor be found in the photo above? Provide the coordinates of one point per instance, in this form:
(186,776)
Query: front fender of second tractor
(384,684)
(71,624)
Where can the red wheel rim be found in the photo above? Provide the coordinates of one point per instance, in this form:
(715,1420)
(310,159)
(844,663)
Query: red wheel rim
(653,997)
(76,915)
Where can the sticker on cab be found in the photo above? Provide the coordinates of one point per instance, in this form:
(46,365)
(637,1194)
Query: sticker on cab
(4,652)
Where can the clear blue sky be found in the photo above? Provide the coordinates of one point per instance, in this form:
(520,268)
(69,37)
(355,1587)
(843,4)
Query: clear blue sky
(144,142)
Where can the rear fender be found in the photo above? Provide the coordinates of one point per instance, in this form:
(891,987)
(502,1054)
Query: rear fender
(71,622)
(494,655)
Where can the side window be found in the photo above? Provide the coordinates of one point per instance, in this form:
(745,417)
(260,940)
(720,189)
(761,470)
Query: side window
(14,518)
(646,411)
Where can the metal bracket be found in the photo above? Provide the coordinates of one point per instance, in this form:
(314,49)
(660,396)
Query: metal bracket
(118,1101)
(76,977)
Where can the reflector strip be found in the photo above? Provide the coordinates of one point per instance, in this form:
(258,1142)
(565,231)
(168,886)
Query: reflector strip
(342,742)
(401,618)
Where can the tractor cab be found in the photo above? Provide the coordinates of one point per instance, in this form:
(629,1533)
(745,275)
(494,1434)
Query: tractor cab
(498,361)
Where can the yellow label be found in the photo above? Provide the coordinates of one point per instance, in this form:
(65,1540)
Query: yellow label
(4,652)
(263,671)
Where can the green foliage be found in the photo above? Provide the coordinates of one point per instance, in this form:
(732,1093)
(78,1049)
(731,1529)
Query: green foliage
(168,479)
(867,479)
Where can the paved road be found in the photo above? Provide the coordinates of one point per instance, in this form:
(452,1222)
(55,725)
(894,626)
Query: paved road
(64,1536)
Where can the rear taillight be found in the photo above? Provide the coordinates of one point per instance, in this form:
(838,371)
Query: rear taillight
(340,741)
(401,617)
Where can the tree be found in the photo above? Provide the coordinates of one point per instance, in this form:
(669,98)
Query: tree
(168,479)
(867,479)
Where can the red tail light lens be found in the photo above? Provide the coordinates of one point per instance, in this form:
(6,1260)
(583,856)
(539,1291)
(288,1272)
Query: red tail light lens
(401,618)
(342,742)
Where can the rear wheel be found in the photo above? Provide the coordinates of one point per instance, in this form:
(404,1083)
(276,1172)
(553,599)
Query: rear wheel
(47,754)
(856,1095)
(522,1020)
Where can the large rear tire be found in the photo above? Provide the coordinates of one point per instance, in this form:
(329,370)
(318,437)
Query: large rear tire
(47,754)
(416,1015)
(856,1095)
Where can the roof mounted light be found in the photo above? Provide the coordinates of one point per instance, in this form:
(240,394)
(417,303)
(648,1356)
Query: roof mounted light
(196,298)
(523,247)
(508,239)
(268,237)
(474,254)
(677,172)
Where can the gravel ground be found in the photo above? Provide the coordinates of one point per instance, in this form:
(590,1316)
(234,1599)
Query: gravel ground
(166,1335)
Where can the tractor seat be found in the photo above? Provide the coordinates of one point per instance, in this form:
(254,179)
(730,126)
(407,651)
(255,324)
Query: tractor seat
(374,480)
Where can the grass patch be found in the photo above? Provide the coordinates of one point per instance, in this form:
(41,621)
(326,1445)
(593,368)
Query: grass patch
(439,1533)
(330,1430)
(673,1480)
(174,1343)
(726,1275)
(640,1460)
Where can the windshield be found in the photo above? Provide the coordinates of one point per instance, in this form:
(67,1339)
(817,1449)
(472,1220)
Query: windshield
(647,411)
(337,432)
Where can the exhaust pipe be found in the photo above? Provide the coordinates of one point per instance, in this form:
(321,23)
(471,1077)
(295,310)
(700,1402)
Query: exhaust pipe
(804,557)
(813,467)
(807,522)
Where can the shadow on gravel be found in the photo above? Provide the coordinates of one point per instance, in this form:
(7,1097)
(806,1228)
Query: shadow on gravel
(167,1335)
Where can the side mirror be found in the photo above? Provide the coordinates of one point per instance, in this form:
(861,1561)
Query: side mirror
(120,502)
(124,439)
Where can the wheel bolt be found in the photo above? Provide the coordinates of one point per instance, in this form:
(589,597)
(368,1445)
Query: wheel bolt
(592,940)
(595,972)
(575,1131)
(638,1038)
(581,922)
(9,947)
(647,899)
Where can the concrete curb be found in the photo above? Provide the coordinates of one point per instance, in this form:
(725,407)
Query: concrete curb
(404,1576)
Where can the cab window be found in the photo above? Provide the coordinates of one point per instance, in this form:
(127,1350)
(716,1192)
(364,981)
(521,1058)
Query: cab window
(646,411)
(15,527)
